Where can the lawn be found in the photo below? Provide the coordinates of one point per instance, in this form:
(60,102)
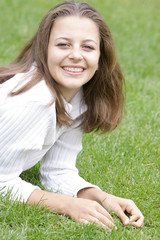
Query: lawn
(125,162)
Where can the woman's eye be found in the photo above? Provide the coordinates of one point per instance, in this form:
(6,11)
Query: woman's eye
(88,47)
(62,45)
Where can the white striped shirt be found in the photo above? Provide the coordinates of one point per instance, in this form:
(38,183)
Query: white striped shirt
(29,133)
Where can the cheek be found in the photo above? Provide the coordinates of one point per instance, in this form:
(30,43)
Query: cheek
(95,64)
(95,61)
(52,56)
(56,55)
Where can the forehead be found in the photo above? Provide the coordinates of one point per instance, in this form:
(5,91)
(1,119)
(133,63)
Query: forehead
(75,26)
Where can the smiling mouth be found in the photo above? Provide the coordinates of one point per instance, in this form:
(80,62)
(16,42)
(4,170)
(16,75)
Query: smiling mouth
(73,69)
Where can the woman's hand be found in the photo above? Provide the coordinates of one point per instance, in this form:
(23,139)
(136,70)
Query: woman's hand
(120,206)
(89,211)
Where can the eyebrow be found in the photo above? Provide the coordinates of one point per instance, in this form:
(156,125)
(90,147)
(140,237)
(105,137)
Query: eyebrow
(69,39)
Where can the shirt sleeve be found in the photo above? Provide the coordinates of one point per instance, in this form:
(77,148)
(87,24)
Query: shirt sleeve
(58,171)
(23,128)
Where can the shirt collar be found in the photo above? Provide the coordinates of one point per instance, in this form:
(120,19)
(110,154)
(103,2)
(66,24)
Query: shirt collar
(75,108)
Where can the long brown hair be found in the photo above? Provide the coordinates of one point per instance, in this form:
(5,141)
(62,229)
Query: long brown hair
(103,94)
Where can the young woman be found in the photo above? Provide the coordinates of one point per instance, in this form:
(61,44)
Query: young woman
(65,81)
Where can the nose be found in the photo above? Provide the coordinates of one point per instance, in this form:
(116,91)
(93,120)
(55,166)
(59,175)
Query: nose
(75,54)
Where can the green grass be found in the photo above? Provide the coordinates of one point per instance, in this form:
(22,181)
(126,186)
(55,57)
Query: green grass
(125,162)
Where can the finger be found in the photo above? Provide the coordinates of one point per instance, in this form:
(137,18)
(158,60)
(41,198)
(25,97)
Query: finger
(137,224)
(121,215)
(105,213)
(95,221)
(103,219)
(137,218)
(107,225)
(133,218)
(132,208)
(84,221)
(137,221)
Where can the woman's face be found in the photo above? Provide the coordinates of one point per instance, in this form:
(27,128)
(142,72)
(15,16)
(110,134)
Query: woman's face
(73,53)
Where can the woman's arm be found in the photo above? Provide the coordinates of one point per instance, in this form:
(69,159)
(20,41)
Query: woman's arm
(23,127)
(58,171)
(115,204)
(79,209)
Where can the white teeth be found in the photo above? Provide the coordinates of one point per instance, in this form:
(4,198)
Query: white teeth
(73,69)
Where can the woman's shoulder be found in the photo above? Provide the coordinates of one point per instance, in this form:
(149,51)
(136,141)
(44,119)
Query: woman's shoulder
(39,93)
(32,104)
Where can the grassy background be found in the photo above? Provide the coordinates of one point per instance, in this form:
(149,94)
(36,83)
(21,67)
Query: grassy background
(125,162)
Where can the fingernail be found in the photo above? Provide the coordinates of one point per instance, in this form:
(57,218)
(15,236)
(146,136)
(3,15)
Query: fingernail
(126,222)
